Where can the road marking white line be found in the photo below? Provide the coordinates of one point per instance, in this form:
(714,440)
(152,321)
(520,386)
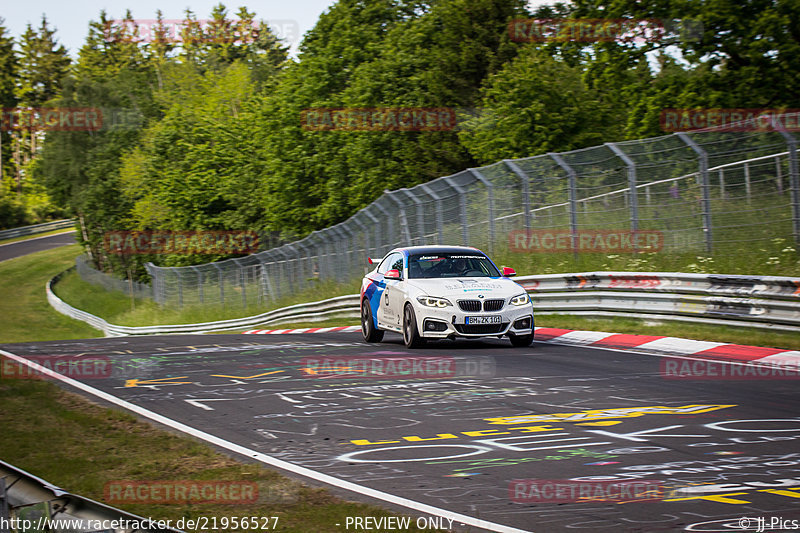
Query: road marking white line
(236,448)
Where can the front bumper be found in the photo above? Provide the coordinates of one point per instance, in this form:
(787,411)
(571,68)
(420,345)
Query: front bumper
(441,323)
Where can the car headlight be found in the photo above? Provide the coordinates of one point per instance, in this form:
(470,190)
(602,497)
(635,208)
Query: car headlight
(522,299)
(430,301)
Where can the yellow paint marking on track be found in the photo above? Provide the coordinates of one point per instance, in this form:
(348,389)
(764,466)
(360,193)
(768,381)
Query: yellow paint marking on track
(246,377)
(161,381)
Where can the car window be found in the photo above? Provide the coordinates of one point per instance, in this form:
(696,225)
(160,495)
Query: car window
(390,262)
(450,265)
(398,263)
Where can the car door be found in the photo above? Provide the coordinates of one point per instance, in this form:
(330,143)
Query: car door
(386,312)
(395,294)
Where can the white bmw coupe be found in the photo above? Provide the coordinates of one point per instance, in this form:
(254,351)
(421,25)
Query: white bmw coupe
(438,292)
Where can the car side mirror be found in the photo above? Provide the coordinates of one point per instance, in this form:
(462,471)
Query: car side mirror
(509,272)
(392,274)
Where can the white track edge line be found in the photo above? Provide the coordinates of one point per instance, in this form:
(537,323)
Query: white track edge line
(236,448)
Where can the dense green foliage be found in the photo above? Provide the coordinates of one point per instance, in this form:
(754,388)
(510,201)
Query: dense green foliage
(219,143)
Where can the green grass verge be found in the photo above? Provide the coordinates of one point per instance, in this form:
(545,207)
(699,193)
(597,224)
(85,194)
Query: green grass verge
(29,237)
(95,446)
(117,308)
(27,316)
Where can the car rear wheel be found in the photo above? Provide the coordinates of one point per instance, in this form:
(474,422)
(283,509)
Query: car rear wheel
(411,336)
(368,329)
(520,341)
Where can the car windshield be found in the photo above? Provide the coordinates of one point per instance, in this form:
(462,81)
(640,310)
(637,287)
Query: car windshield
(450,265)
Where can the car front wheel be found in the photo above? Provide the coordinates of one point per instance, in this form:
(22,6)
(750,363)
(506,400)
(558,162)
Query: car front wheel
(368,329)
(411,336)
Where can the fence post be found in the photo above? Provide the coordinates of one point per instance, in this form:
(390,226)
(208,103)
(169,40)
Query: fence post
(420,213)
(526,192)
(349,239)
(199,274)
(180,287)
(221,284)
(490,192)
(389,224)
(401,207)
(339,237)
(634,191)
(794,186)
(747,182)
(366,240)
(303,266)
(704,187)
(376,224)
(315,243)
(291,272)
(462,201)
(439,212)
(155,283)
(573,193)
(242,285)
(272,287)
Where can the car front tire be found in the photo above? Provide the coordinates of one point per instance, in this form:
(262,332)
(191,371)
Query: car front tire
(368,329)
(411,336)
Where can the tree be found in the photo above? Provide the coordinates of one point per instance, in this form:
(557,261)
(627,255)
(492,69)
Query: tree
(8,75)
(42,65)
(534,105)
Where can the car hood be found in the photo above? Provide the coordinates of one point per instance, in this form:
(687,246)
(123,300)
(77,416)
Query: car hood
(467,288)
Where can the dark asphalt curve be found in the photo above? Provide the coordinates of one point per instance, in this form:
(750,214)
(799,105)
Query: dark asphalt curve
(530,438)
(37,244)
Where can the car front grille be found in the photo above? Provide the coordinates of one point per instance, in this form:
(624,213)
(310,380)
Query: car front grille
(474,306)
(493,305)
(470,306)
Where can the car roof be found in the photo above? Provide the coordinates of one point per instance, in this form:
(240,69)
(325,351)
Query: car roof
(437,249)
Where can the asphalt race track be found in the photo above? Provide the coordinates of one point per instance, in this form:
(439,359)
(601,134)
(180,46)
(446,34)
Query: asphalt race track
(455,428)
(37,244)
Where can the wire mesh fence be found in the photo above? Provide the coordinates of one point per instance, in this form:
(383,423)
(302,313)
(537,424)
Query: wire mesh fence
(88,273)
(700,191)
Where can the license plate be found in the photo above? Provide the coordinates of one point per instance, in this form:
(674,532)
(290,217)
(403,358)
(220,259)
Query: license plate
(483,320)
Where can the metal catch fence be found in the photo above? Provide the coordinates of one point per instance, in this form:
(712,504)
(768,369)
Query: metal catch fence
(704,192)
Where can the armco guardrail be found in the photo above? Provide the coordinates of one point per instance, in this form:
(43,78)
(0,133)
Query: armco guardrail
(750,301)
(35,229)
(39,505)
(341,306)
